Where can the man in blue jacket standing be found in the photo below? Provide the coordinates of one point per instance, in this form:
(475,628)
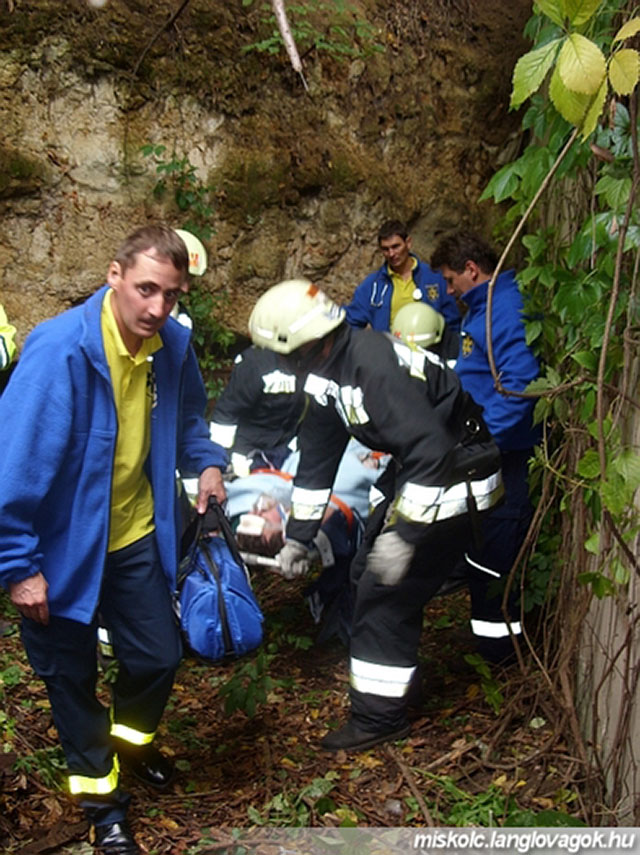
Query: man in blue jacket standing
(402,279)
(467,263)
(105,404)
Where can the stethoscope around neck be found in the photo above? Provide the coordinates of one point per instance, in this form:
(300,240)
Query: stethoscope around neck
(376,302)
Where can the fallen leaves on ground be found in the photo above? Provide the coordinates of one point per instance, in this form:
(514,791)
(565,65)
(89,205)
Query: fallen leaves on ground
(234,771)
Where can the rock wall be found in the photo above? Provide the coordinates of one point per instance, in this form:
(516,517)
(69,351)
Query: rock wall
(410,123)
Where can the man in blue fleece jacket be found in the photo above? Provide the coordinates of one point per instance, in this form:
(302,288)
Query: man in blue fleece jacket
(467,263)
(105,404)
(402,279)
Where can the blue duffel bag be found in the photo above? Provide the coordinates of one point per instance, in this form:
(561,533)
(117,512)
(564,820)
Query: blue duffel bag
(218,613)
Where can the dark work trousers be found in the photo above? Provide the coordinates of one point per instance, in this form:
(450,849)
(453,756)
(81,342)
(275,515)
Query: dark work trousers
(487,568)
(135,606)
(387,619)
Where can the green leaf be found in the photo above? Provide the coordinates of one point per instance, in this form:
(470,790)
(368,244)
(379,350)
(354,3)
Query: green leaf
(540,384)
(624,70)
(615,496)
(588,405)
(579,11)
(595,111)
(615,191)
(533,331)
(552,9)
(536,165)
(592,544)
(619,571)
(628,29)
(536,244)
(600,585)
(587,359)
(531,69)
(627,465)
(581,248)
(502,185)
(561,409)
(541,411)
(589,464)
(581,64)
(572,106)
(572,299)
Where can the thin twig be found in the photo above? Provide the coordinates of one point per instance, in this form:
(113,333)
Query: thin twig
(168,23)
(516,233)
(408,776)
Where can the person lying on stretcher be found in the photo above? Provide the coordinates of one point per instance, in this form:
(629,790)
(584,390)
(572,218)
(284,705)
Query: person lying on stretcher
(259,505)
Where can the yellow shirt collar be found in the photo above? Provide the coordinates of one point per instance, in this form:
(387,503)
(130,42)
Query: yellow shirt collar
(148,346)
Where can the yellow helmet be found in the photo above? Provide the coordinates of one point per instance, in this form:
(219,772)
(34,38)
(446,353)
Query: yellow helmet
(417,323)
(291,314)
(197,252)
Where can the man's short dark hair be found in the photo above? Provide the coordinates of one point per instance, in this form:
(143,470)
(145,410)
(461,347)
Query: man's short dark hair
(392,227)
(161,238)
(456,249)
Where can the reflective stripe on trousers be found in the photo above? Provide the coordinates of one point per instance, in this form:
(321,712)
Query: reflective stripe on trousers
(495,629)
(387,681)
(79,784)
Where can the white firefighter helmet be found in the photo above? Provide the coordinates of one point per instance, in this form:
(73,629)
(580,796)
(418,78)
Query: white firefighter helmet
(418,323)
(291,314)
(197,252)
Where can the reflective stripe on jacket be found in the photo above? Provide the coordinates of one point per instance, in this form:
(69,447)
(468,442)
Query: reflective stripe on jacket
(365,390)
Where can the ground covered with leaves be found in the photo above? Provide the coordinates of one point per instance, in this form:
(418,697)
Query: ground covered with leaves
(244,736)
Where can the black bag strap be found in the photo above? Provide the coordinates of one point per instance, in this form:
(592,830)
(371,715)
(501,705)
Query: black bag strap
(213,518)
(216,510)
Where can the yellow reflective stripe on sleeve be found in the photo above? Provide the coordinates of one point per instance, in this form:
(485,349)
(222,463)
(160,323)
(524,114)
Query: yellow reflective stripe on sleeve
(387,681)
(95,786)
(495,629)
(427,504)
(308,504)
(224,435)
(128,734)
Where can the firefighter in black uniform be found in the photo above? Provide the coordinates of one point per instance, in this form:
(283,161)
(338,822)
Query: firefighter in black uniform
(366,384)
(258,413)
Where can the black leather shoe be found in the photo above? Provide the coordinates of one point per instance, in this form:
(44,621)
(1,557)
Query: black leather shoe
(115,838)
(352,738)
(149,765)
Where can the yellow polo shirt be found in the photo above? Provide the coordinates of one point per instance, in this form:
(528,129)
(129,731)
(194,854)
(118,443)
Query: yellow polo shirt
(402,290)
(133,392)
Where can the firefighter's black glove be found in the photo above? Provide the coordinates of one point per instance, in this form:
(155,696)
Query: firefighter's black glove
(390,558)
(294,559)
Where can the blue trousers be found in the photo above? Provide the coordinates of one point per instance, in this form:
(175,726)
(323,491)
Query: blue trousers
(135,606)
(487,568)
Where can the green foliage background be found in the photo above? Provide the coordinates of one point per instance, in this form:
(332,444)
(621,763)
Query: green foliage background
(571,195)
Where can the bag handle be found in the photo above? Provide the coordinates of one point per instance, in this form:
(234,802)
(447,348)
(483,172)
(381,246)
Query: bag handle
(189,547)
(195,531)
(224,525)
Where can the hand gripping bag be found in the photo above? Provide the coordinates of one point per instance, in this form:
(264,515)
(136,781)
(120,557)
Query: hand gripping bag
(218,613)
